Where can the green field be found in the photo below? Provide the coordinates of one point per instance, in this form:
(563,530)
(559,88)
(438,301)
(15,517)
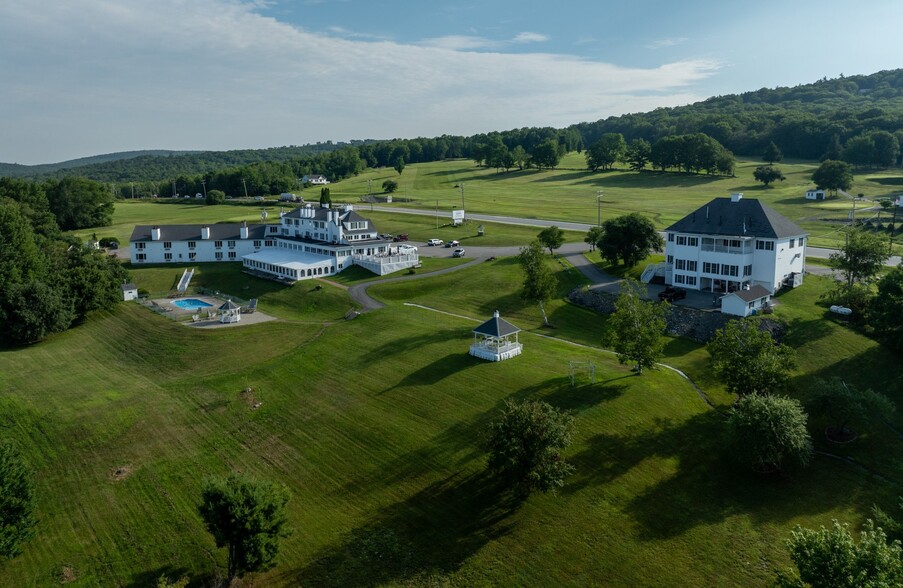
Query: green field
(374,424)
(570,192)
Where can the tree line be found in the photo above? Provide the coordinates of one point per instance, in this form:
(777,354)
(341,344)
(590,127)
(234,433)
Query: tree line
(49,281)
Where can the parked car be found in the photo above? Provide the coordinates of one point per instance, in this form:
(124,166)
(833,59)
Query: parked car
(402,237)
(458,253)
(387,236)
(670,294)
(452,243)
(434,242)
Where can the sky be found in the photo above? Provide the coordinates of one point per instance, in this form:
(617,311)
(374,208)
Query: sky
(87,77)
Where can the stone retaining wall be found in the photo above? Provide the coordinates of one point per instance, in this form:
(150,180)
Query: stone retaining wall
(681,321)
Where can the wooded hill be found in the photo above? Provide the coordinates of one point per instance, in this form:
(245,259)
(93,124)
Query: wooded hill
(809,121)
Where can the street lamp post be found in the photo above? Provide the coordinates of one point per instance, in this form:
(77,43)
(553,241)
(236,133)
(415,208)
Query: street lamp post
(462,196)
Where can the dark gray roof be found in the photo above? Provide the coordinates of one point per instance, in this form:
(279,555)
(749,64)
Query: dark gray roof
(218,232)
(747,217)
(496,327)
(754,293)
(229,305)
(127,287)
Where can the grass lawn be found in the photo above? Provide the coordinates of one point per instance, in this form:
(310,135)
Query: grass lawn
(569,192)
(124,416)
(374,425)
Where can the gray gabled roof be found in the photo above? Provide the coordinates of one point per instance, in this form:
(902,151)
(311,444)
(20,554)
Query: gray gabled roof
(127,287)
(747,217)
(218,232)
(229,305)
(754,293)
(496,327)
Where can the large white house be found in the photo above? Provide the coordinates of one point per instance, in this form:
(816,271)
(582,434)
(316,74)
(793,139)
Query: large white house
(307,242)
(734,244)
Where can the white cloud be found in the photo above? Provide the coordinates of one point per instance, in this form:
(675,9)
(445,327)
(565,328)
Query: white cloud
(669,42)
(100,75)
(527,37)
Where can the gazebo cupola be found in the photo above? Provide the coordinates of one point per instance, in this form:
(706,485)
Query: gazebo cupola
(495,340)
(229,312)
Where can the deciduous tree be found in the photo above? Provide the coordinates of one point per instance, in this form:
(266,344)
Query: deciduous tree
(833,175)
(592,237)
(399,165)
(846,406)
(831,558)
(639,154)
(886,309)
(79,203)
(546,154)
(636,329)
(772,154)
(861,257)
(389,186)
(539,281)
(749,360)
(605,152)
(525,445)
(551,237)
(767,432)
(17,502)
(768,174)
(248,518)
(629,238)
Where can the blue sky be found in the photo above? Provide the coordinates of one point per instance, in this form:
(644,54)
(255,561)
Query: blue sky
(84,77)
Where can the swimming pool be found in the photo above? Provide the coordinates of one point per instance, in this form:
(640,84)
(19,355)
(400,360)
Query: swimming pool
(191,304)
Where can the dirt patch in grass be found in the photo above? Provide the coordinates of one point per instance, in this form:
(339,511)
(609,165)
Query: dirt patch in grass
(121,472)
(250,398)
(67,574)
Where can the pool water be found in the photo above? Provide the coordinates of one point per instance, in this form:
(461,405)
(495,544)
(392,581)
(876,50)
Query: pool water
(191,303)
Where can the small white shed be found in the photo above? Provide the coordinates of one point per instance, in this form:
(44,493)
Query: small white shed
(815,195)
(746,302)
(129,292)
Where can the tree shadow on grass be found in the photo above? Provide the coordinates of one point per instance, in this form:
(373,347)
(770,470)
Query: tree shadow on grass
(429,534)
(410,343)
(707,485)
(800,331)
(438,370)
(584,395)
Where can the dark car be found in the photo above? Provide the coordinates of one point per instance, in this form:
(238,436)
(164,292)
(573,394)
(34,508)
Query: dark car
(670,294)
(402,237)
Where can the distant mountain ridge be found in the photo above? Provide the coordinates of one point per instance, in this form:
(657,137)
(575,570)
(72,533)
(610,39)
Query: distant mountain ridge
(18,170)
(152,165)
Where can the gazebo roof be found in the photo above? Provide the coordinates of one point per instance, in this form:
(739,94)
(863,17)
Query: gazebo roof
(229,305)
(496,327)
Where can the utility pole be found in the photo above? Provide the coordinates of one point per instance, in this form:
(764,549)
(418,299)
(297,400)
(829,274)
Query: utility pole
(437,214)
(173,188)
(133,190)
(599,208)
(204,185)
(893,225)
(462,197)
(245,184)
(369,186)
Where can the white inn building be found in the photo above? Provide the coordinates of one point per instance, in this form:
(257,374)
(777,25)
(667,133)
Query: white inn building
(733,244)
(307,242)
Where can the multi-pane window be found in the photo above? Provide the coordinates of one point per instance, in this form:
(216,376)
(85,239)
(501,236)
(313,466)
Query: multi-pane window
(681,240)
(141,257)
(231,244)
(192,244)
(217,244)
(764,245)
(167,257)
(192,255)
(709,268)
(747,270)
(231,255)
(139,245)
(257,244)
(693,241)
(167,244)
(729,270)
(219,255)
(792,244)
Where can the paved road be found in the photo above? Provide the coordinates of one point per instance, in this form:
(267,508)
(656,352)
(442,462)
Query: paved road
(817,252)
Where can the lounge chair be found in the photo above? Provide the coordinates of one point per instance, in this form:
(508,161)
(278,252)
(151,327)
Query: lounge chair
(252,306)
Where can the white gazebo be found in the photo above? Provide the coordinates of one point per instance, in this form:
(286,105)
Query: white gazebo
(229,312)
(493,340)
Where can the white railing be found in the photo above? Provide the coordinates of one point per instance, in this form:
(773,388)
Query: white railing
(495,352)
